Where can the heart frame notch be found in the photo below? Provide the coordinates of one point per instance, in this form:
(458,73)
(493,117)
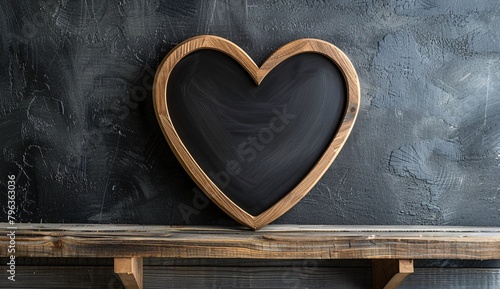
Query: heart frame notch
(307,45)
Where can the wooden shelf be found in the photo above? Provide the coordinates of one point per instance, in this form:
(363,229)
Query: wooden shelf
(271,242)
(128,244)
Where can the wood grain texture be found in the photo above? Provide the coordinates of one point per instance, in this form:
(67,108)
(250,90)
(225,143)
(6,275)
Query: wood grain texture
(288,50)
(273,242)
(67,277)
(285,277)
(314,277)
(423,150)
(130,270)
(305,276)
(233,262)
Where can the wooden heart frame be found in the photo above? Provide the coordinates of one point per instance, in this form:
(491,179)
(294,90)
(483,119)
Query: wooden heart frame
(286,51)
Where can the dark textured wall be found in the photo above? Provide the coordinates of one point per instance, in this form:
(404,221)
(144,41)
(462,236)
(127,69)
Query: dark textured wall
(78,129)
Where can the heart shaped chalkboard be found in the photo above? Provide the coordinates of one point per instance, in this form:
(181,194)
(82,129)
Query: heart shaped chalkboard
(255,140)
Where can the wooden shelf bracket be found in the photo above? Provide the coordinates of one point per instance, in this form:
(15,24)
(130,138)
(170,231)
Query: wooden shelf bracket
(388,274)
(130,271)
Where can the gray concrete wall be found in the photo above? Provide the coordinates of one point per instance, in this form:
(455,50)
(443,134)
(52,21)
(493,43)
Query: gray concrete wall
(78,129)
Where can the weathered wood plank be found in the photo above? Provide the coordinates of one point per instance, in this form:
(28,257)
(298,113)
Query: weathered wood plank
(58,277)
(464,278)
(258,277)
(272,242)
(196,277)
(357,263)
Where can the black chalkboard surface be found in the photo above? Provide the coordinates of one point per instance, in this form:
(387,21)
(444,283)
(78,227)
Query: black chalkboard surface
(256,142)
